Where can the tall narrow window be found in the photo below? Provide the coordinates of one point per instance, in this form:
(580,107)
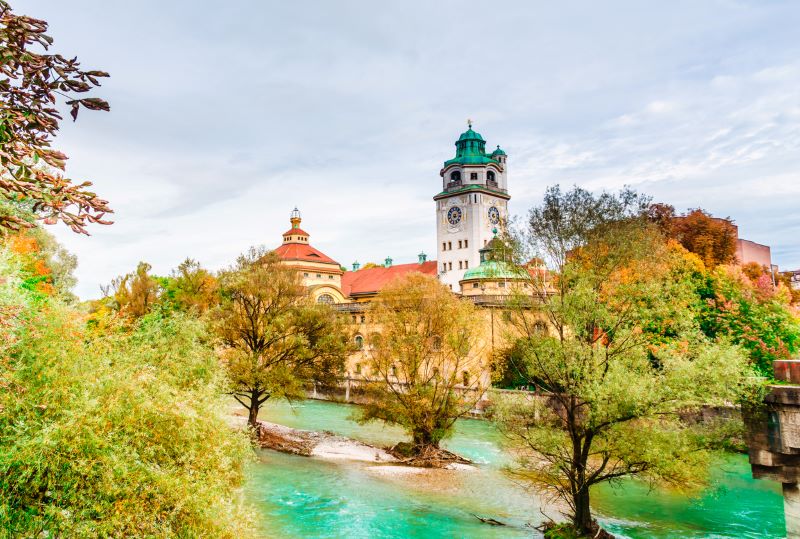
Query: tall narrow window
(359,342)
(466,264)
(466,244)
(444,246)
(459,244)
(459,265)
(358,368)
(363,319)
(449,245)
(450,265)
(465,378)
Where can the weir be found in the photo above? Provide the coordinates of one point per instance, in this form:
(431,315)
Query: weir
(773,439)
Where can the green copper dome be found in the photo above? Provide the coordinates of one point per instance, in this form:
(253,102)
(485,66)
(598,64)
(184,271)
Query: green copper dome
(470,150)
(495,270)
(498,151)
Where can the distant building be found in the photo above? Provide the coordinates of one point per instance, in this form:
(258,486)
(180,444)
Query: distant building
(794,279)
(749,251)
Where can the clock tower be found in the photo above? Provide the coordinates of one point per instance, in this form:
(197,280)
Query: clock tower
(473,202)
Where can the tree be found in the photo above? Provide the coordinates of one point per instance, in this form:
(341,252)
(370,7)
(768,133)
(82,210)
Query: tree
(191,287)
(711,238)
(426,361)
(275,338)
(31,172)
(742,304)
(613,385)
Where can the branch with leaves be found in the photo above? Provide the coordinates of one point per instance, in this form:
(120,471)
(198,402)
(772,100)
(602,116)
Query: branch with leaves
(32,83)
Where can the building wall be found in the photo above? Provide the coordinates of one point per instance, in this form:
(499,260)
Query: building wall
(749,251)
(493,329)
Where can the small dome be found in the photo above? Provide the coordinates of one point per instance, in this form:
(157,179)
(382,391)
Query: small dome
(498,151)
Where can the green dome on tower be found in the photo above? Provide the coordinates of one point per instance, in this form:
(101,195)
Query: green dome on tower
(498,151)
(470,150)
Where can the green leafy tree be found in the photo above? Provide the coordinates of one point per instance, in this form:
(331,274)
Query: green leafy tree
(31,171)
(613,387)
(118,433)
(275,338)
(425,361)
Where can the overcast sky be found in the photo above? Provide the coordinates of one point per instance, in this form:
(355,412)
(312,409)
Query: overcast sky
(225,115)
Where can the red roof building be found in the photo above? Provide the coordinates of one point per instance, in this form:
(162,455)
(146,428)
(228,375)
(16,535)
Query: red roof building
(319,272)
(368,282)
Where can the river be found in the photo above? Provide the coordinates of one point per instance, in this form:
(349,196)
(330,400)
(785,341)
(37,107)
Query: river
(306,497)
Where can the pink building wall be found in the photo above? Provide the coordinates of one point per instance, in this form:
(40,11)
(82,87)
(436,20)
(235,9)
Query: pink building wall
(749,251)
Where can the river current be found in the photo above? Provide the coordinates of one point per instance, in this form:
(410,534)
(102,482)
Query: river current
(307,497)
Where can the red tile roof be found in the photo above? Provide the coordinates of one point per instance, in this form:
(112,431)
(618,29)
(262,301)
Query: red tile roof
(302,251)
(295,232)
(372,280)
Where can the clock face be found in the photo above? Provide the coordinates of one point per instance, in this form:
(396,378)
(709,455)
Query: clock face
(494,215)
(454,215)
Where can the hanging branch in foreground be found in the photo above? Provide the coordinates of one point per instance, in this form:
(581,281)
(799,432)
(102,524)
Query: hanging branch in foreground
(32,83)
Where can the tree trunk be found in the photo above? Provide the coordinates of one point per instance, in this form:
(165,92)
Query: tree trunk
(252,416)
(582,520)
(423,439)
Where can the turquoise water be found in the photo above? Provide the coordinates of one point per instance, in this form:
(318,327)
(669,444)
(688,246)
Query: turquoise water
(305,497)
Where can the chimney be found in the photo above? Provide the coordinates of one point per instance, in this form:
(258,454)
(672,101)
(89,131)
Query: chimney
(388,262)
(356,265)
(422,257)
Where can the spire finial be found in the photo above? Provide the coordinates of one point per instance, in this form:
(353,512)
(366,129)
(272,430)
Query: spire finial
(469,123)
(294,218)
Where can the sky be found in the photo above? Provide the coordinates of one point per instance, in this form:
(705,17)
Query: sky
(226,115)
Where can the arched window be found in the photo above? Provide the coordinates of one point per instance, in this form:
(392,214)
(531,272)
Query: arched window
(359,342)
(490,176)
(540,328)
(455,176)
(325,298)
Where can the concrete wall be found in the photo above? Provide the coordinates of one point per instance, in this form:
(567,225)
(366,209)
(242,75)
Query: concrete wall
(749,251)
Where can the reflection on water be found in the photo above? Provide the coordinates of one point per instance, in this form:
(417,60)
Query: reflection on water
(304,497)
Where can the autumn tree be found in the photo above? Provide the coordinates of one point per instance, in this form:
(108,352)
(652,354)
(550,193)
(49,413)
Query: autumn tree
(613,387)
(743,305)
(275,338)
(711,238)
(426,362)
(191,287)
(32,85)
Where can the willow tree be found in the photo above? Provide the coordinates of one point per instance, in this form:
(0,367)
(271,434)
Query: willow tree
(275,338)
(622,358)
(425,361)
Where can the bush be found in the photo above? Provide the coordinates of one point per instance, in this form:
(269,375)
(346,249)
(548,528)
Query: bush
(112,433)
